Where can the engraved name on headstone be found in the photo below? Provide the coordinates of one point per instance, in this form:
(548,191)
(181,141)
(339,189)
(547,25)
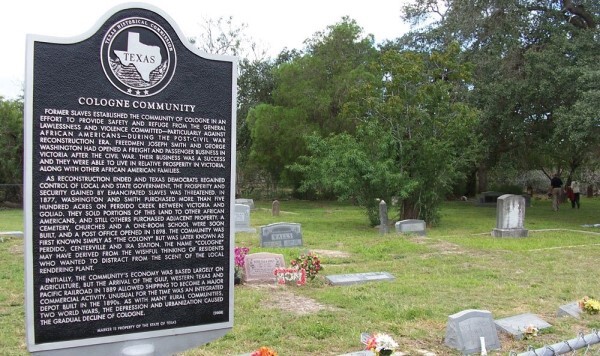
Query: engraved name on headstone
(281,235)
(260,267)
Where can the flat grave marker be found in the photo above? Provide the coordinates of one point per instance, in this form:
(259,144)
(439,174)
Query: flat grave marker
(355,278)
(11,234)
(571,309)
(515,325)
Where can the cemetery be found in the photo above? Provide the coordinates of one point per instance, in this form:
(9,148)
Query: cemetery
(427,292)
(170,197)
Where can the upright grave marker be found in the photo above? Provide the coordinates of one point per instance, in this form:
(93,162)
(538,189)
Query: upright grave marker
(466,328)
(510,215)
(130,166)
(281,234)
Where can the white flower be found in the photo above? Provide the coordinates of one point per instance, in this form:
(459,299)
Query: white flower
(385,342)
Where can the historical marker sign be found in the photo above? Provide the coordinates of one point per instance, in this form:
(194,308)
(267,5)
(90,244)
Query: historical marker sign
(130,166)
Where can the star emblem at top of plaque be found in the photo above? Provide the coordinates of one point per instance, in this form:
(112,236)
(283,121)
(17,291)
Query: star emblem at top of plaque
(138,56)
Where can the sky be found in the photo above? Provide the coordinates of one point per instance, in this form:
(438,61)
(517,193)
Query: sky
(273,24)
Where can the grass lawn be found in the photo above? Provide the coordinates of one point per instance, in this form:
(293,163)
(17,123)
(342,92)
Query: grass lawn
(457,266)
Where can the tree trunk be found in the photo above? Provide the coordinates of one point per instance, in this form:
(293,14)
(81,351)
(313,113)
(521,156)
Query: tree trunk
(483,179)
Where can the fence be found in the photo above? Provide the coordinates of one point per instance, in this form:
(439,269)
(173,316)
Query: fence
(581,345)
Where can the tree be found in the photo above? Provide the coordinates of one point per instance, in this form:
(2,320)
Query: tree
(530,56)
(277,138)
(320,81)
(414,140)
(11,147)
(312,88)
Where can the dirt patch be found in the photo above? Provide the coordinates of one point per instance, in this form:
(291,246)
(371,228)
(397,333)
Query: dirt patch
(287,301)
(442,247)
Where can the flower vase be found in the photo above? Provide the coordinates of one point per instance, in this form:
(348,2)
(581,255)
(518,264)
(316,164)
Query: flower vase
(237,280)
(385,352)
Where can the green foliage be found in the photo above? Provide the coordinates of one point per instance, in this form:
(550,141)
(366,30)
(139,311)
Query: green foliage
(532,69)
(309,92)
(11,146)
(277,137)
(359,168)
(414,142)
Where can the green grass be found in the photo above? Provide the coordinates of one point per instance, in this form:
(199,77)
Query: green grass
(457,266)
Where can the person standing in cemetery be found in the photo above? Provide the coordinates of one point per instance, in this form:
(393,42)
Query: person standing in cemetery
(576,194)
(570,195)
(556,185)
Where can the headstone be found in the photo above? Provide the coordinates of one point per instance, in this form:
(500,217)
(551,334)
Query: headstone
(242,218)
(465,328)
(260,267)
(510,214)
(571,309)
(275,208)
(383,218)
(249,202)
(355,278)
(515,325)
(11,234)
(411,226)
(281,235)
(489,198)
(116,176)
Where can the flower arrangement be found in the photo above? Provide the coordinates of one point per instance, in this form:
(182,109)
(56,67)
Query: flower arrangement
(310,262)
(285,275)
(589,305)
(381,344)
(264,351)
(530,332)
(240,253)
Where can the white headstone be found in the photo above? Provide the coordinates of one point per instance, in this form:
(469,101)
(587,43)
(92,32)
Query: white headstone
(510,215)
(411,226)
(242,218)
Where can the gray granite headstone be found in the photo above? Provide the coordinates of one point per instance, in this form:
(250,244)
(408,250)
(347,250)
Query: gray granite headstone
(571,309)
(515,325)
(275,208)
(242,218)
(465,329)
(383,218)
(249,202)
(411,226)
(281,235)
(347,279)
(260,267)
(510,214)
